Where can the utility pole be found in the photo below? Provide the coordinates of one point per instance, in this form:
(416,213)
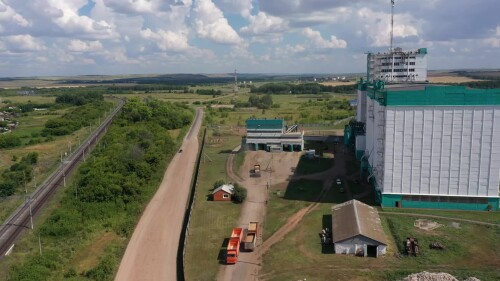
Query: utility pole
(31,213)
(392,35)
(40,244)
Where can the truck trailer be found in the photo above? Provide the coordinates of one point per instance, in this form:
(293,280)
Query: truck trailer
(251,236)
(233,247)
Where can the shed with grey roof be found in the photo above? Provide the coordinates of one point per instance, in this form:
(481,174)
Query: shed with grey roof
(356,229)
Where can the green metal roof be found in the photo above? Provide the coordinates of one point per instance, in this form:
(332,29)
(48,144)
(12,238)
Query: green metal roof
(265,123)
(435,96)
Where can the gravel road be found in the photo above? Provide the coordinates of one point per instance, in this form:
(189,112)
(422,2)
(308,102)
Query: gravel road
(151,252)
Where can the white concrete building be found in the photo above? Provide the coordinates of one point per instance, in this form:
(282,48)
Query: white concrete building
(430,146)
(273,135)
(398,66)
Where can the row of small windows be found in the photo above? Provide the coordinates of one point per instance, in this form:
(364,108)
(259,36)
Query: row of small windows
(400,76)
(399,70)
(398,58)
(397,63)
(448,199)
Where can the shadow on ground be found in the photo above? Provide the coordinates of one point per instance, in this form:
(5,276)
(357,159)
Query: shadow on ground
(327,223)
(221,257)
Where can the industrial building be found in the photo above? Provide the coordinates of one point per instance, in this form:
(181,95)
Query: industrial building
(397,66)
(273,135)
(429,146)
(356,229)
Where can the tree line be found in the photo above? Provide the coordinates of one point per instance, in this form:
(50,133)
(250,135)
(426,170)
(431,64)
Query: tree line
(109,195)
(80,98)
(18,174)
(76,119)
(304,88)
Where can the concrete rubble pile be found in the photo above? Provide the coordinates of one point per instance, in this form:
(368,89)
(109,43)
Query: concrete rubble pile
(429,276)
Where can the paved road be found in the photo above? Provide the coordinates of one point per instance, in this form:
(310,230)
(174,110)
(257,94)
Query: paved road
(152,251)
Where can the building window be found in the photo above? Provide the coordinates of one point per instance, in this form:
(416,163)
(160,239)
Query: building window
(225,196)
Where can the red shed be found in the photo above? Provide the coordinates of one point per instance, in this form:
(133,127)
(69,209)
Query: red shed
(223,192)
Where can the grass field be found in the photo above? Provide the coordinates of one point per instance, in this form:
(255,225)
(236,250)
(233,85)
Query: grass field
(211,222)
(300,255)
(490,217)
(286,199)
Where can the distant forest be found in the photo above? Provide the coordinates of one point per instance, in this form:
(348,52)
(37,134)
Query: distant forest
(306,88)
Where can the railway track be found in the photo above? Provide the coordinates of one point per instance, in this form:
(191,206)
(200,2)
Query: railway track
(19,221)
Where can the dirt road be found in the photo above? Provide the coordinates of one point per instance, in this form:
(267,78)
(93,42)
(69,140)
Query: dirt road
(152,251)
(281,165)
(276,168)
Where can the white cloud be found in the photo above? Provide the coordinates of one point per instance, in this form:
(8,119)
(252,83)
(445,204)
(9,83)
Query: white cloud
(7,14)
(167,40)
(243,7)
(210,23)
(134,6)
(377,26)
(452,50)
(288,50)
(23,43)
(82,46)
(492,42)
(264,23)
(319,42)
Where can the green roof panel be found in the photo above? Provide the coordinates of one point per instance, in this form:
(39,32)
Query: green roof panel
(265,123)
(436,96)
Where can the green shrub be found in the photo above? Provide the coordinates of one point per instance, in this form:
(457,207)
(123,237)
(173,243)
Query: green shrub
(239,193)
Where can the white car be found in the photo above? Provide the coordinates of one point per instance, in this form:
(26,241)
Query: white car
(339,182)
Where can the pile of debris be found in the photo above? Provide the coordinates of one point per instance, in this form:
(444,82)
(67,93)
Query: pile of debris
(326,236)
(429,276)
(436,246)
(411,246)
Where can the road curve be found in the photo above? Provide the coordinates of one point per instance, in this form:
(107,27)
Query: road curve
(152,251)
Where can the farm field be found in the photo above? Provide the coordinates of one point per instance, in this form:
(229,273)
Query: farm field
(450,79)
(300,255)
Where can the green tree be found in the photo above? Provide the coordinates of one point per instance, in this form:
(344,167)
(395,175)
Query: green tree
(239,193)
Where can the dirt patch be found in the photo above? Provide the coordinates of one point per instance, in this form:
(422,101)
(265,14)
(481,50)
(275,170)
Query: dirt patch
(450,79)
(88,257)
(275,167)
(338,83)
(426,224)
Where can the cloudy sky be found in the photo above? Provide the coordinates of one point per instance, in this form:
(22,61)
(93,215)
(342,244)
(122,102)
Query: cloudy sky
(69,37)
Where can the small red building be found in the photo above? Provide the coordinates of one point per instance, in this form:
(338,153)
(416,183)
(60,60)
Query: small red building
(223,192)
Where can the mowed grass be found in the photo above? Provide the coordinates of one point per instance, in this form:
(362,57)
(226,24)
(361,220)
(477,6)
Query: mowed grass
(211,222)
(300,255)
(490,217)
(287,199)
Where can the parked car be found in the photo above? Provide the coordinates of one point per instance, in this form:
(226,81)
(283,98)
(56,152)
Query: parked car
(341,190)
(339,182)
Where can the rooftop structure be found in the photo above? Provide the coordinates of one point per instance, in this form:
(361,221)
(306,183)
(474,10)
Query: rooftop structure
(397,66)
